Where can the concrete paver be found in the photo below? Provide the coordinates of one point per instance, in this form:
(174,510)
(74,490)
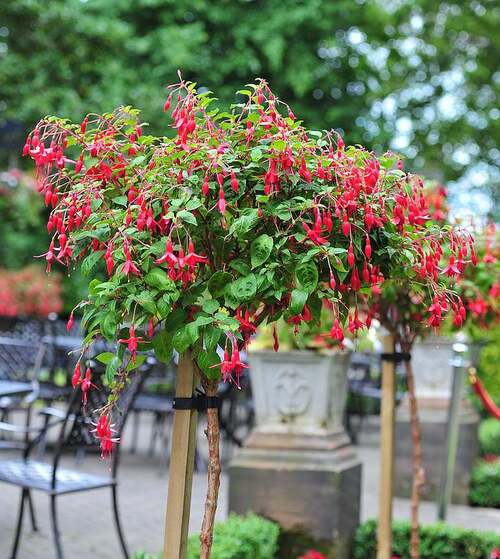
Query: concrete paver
(88,530)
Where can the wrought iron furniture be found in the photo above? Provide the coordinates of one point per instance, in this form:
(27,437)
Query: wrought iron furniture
(75,431)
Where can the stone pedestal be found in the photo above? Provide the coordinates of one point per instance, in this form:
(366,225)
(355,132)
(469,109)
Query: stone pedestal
(433,381)
(298,466)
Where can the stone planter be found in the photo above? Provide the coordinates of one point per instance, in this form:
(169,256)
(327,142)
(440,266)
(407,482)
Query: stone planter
(298,466)
(433,382)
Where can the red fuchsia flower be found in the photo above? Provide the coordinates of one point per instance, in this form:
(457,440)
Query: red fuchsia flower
(71,321)
(77,375)
(234,182)
(452,270)
(221,204)
(104,432)
(314,236)
(354,323)
(495,554)
(192,259)
(337,333)
(478,306)
(226,366)
(436,310)
(86,385)
(332,283)
(238,365)
(49,256)
(167,104)
(132,342)
(129,267)
(312,554)
(169,256)
(247,328)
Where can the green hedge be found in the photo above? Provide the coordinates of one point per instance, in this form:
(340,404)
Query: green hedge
(485,485)
(249,537)
(489,436)
(438,541)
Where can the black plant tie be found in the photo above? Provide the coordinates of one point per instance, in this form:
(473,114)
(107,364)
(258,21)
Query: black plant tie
(395,357)
(199,401)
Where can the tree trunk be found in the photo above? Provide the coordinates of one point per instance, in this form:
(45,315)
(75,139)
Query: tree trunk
(214,468)
(418,470)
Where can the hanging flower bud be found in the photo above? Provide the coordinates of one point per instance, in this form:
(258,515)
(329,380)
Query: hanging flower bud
(234,182)
(83,125)
(70,322)
(368,248)
(333,283)
(205,189)
(221,204)
(346,226)
(167,104)
(77,375)
(350,256)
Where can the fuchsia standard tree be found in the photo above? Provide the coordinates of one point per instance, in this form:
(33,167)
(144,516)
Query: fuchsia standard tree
(243,216)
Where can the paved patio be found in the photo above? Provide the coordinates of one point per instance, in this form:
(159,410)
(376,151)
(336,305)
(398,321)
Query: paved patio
(88,530)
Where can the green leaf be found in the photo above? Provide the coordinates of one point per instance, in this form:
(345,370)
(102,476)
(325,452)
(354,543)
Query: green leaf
(188,217)
(194,203)
(164,306)
(240,266)
(203,320)
(244,223)
(279,145)
(297,301)
(260,250)
(146,301)
(244,289)
(256,154)
(105,357)
(112,368)
(206,361)
(163,346)
(90,261)
(174,320)
(139,360)
(307,276)
(218,282)
(158,278)
(108,325)
(211,306)
(121,201)
(211,337)
(185,337)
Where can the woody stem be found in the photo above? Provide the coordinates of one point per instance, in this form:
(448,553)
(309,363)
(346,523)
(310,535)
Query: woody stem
(214,469)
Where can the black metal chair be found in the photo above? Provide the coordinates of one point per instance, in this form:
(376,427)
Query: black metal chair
(20,362)
(75,432)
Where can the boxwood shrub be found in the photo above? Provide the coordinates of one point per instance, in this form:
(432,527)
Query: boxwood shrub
(485,484)
(249,537)
(438,541)
(489,436)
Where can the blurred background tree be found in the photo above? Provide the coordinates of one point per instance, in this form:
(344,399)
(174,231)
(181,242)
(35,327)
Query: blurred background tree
(419,77)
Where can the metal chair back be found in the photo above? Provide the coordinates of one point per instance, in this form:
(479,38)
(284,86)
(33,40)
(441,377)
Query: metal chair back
(80,419)
(20,360)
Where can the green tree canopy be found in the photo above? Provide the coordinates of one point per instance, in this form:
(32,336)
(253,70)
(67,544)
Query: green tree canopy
(418,76)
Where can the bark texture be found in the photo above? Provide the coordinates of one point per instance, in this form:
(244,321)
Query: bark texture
(214,469)
(418,470)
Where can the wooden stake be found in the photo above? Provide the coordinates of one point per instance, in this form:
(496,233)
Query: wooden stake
(384,549)
(180,477)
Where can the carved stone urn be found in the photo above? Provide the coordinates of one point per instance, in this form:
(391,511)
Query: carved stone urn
(298,466)
(433,373)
